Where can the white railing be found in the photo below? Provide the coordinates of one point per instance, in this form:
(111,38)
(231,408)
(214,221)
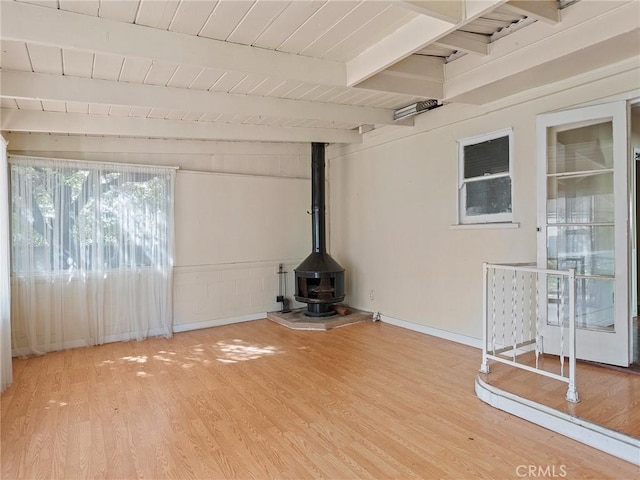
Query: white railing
(516,300)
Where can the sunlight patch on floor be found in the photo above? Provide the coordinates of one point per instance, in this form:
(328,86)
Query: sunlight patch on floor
(236,350)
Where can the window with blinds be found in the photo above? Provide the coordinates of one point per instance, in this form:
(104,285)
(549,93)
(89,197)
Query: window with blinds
(485,186)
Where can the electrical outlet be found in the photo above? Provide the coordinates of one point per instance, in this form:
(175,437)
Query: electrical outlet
(370,294)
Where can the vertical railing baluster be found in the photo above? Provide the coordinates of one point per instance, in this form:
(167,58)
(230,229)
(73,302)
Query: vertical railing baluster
(504,325)
(484,368)
(522,308)
(514,312)
(561,315)
(538,316)
(531,277)
(493,311)
(572,392)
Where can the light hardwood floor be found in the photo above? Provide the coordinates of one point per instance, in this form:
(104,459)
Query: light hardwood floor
(257,400)
(608,397)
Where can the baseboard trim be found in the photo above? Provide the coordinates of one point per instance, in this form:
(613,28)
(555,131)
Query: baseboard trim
(435,332)
(218,322)
(609,441)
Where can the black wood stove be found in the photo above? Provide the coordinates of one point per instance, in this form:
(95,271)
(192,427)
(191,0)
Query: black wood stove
(319,279)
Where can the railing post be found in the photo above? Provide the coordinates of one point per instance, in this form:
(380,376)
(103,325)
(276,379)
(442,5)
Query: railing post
(572,393)
(484,368)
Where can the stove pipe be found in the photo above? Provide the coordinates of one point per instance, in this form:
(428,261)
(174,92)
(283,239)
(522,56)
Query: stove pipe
(318,226)
(319,279)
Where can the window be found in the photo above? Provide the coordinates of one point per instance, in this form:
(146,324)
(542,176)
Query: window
(73,216)
(485,187)
(91,253)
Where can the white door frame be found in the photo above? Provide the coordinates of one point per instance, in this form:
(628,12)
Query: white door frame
(603,347)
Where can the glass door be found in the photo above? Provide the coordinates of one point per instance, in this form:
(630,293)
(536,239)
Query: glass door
(583,215)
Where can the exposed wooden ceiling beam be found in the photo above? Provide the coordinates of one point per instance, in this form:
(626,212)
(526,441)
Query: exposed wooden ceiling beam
(418,75)
(76,123)
(547,53)
(467,42)
(59,28)
(447,10)
(543,10)
(54,87)
(44,142)
(410,38)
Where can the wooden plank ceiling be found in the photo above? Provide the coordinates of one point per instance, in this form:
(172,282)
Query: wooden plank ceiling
(277,70)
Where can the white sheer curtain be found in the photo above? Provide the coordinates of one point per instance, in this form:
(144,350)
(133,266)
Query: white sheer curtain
(91,253)
(6,372)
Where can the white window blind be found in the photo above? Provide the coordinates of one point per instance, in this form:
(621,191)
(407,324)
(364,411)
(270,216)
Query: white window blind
(485,183)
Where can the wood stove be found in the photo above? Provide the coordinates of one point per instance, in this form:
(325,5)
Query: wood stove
(319,278)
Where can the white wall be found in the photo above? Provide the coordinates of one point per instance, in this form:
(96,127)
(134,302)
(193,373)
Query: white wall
(393,202)
(240,211)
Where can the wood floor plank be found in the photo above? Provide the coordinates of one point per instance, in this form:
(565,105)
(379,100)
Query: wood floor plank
(257,400)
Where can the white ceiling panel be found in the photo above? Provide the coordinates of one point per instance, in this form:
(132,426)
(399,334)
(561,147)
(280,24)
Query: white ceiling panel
(52,106)
(120,10)
(107,67)
(157,13)
(28,104)
(300,91)
(261,14)
(77,107)
(315,92)
(119,111)
(8,103)
(241,118)
(193,116)
(329,94)
(382,99)
(191,16)
(206,79)
(345,97)
(184,76)
(225,18)
(293,17)
(319,23)
(363,97)
(247,84)
(158,113)
(43,3)
(160,73)
(227,118)
(140,112)
(210,117)
(15,56)
(357,17)
(77,63)
(377,28)
(86,7)
(283,89)
(176,115)
(266,87)
(228,81)
(134,70)
(45,59)
(97,109)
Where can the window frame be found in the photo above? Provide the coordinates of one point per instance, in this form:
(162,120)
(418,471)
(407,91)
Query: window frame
(489,218)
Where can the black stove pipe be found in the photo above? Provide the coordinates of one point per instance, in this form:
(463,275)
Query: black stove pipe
(318,198)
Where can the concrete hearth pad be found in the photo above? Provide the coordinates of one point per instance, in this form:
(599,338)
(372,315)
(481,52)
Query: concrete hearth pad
(296,319)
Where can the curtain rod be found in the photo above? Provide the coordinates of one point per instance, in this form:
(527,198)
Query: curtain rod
(89,162)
